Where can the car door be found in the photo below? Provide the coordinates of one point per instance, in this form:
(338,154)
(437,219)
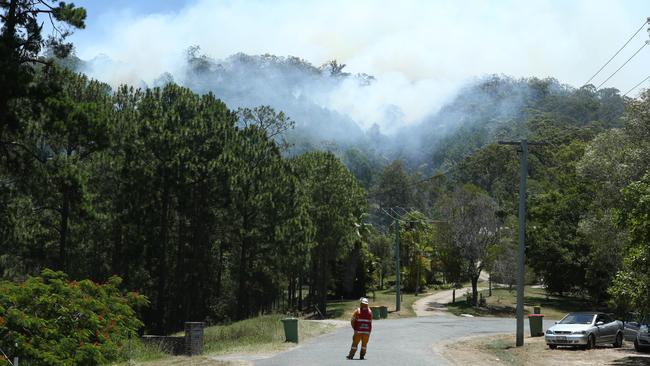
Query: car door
(631,329)
(611,327)
(603,335)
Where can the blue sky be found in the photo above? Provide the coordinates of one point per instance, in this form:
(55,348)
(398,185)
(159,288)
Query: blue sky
(416,48)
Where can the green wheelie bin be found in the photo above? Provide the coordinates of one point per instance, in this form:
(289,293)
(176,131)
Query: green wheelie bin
(536,325)
(290,329)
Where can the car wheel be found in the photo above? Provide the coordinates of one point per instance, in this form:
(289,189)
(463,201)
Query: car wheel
(618,343)
(640,348)
(591,342)
(552,346)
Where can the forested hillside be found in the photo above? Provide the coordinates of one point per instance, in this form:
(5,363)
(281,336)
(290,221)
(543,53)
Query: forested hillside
(234,190)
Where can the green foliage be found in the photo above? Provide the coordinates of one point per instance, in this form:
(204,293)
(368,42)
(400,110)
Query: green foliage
(631,286)
(336,203)
(473,227)
(49,320)
(21,41)
(195,205)
(417,249)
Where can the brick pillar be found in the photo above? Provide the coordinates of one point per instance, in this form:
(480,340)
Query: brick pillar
(193,338)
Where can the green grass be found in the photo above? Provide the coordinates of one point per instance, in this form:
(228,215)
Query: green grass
(143,352)
(344,309)
(504,302)
(256,335)
(263,334)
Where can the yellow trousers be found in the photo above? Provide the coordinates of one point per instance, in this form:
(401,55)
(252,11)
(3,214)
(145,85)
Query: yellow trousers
(359,337)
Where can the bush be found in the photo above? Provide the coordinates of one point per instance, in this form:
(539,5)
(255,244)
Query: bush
(49,320)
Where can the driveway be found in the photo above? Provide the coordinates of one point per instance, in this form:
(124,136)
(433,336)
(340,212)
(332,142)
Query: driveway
(436,304)
(406,341)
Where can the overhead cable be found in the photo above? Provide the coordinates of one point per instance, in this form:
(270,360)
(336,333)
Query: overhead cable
(617,52)
(637,85)
(625,63)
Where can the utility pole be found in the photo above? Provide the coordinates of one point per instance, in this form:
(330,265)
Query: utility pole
(397,218)
(398,286)
(523,173)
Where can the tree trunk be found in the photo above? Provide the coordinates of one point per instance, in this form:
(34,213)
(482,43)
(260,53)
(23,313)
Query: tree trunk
(323,277)
(290,292)
(162,265)
(417,276)
(300,292)
(219,271)
(116,262)
(63,230)
(474,290)
(490,284)
(242,298)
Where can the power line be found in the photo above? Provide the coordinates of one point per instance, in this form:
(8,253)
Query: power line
(625,63)
(619,50)
(637,85)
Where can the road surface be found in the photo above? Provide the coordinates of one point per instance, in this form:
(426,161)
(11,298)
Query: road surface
(408,341)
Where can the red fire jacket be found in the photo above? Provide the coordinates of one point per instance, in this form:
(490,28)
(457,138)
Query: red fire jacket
(362,320)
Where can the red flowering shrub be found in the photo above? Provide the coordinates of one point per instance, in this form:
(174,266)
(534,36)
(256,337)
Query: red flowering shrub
(48,320)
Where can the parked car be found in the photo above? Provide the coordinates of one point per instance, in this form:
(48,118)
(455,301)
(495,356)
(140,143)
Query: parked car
(639,333)
(585,330)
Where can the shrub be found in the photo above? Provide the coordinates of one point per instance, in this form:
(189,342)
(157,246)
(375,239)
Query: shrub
(49,320)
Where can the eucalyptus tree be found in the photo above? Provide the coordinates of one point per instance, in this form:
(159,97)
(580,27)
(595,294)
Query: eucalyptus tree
(631,284)
(473,227)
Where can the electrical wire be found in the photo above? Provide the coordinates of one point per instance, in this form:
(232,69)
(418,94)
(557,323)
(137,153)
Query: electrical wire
(625,63)
(617,52)
(637,85)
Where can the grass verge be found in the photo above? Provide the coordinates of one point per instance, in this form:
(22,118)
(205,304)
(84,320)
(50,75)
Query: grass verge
(502,349)
(263,334)
(503,303)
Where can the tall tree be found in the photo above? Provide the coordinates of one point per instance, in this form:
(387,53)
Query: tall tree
(21,42)
(336,203)
(417,247)
(474,228)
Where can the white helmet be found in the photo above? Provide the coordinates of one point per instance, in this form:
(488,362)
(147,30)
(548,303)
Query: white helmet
(364,300)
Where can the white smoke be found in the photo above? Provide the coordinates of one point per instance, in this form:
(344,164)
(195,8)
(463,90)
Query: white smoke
(421,52)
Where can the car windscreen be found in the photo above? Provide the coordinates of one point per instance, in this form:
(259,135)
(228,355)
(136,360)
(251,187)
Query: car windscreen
(577,319)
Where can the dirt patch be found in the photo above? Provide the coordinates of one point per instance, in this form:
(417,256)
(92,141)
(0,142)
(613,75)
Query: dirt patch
(188,361)
(500,350)
(335,322)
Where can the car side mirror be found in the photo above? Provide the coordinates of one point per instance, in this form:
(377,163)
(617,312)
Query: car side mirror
(600,323)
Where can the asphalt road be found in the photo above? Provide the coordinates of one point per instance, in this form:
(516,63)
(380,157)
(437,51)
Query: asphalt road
(408,341)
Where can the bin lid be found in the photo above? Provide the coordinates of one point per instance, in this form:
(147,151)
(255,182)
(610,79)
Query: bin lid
(535,315)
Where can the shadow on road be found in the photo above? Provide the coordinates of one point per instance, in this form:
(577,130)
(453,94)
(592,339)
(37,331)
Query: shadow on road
(632,361)
(432,306)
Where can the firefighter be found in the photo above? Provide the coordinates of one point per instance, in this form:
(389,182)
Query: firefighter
(362,324)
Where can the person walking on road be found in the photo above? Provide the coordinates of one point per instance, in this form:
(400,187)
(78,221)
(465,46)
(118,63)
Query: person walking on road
(362,324)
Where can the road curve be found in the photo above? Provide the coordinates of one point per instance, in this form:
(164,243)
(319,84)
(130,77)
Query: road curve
(406,341)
